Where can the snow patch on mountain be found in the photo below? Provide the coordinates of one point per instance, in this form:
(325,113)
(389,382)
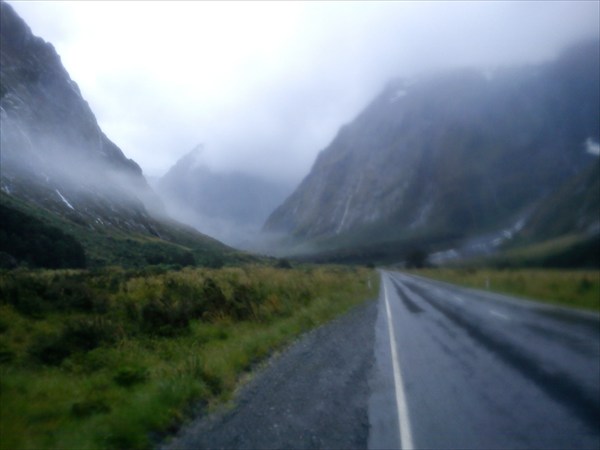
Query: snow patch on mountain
(592,147)
(65,201)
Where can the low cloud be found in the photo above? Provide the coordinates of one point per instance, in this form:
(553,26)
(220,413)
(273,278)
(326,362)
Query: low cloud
(266,85)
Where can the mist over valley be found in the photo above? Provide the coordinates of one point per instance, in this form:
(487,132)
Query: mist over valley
(451,162)
(299,225)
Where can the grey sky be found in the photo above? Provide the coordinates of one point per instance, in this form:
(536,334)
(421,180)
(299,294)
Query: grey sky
(265,86)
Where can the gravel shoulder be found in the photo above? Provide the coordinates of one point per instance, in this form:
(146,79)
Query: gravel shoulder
(313,395)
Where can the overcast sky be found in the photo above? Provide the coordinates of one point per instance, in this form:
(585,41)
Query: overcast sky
(265,86)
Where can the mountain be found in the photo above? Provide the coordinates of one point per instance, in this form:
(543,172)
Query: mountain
(564,229)
(436,161)
(61,172)
(574,208)
(231,206)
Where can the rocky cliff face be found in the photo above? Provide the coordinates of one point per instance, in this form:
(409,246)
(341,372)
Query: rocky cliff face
(53,151)
(450,155)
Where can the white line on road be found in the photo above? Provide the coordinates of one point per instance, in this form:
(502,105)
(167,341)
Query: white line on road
(406,442)
(458,299)
(499,315)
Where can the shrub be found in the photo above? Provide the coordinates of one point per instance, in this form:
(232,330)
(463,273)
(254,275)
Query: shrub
(165,317)
(129,376)
(213,380)
(89,407)
(49,348)
(88,333)
(213,299)
(6,354)
(78,335)
(243,304)
(25,293)
(75,293)
(283,264)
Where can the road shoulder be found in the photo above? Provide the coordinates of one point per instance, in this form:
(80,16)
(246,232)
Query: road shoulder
(313,395)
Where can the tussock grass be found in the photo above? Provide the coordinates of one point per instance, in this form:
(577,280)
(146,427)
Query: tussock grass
(572,288)
(117,359)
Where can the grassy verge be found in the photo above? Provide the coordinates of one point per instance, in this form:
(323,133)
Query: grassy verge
(576,289)
(113,359)
(565,252)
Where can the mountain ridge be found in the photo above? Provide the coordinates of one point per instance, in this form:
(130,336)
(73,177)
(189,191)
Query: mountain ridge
(58,166)
(448,156)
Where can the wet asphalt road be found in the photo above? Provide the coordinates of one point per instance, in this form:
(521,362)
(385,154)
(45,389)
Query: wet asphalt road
(485,371)
(467,369)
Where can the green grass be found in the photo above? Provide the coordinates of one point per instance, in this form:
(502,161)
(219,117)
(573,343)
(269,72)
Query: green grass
(117,359)
(572,288)
(573,251)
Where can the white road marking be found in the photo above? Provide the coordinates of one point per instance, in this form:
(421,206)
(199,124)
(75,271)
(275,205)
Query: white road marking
(458,299)
(499,315)
(406,442)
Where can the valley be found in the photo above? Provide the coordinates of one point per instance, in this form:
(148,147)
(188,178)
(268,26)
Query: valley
(231,207)
(226,303)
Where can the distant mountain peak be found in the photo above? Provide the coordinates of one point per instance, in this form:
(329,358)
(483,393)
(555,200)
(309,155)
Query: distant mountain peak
(228,205)
(192,159)
(197,151)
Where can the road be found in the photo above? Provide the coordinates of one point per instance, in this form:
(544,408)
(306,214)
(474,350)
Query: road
(477,370)
(427,365)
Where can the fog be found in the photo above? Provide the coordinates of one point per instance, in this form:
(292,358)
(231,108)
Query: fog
(90,181)
(265,86)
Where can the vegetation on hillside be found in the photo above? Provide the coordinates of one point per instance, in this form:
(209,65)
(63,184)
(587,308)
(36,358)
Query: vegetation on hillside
(28,240)
(573,251)
(574,207)
(109,358)
(27,232)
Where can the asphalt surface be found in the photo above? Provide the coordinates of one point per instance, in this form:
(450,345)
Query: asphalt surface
(480,370)
(429,365)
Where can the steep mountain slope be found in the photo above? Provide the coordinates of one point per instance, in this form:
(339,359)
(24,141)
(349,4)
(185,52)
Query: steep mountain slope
(229,206)
(563,230)
(58,165)
(440,159)
(574,208)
